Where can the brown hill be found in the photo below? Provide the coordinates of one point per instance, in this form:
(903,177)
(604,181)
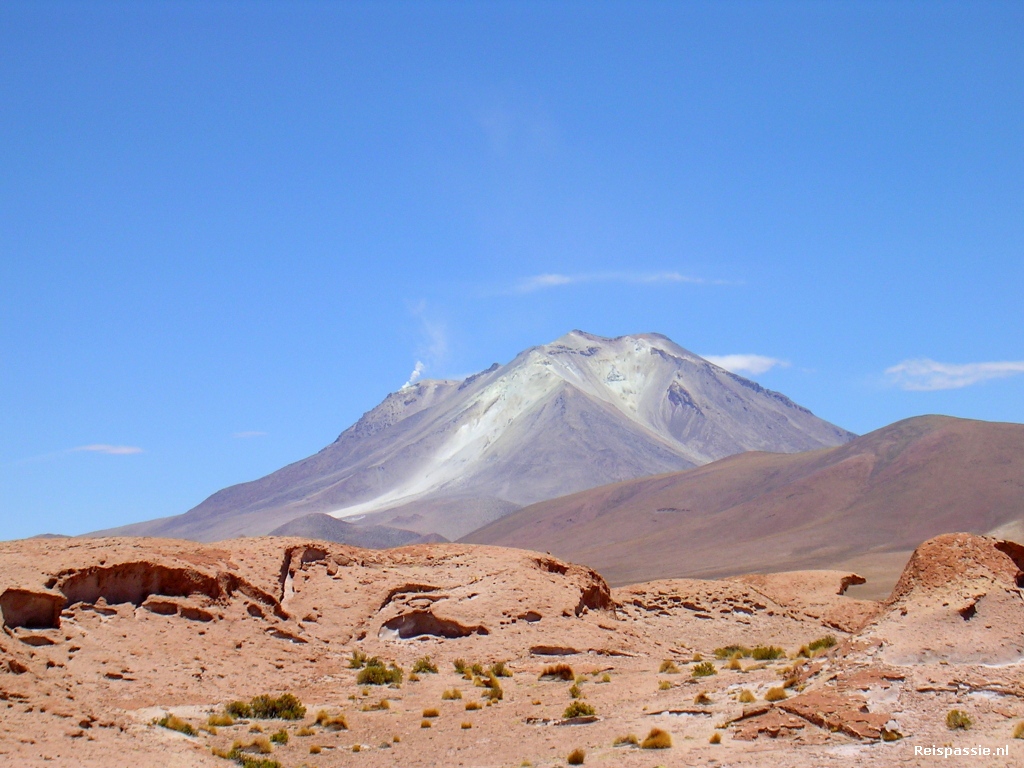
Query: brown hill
(864,505)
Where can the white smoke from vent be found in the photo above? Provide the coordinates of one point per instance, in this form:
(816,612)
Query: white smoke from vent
(417,371)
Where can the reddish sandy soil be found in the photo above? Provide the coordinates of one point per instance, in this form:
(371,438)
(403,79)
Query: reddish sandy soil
(103,637)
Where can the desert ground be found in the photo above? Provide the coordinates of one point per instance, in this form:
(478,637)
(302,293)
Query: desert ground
(105,639)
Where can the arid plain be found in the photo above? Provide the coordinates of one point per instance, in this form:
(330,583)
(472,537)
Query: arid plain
(106,638)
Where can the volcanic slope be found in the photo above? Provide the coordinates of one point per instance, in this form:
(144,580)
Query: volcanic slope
(446,457)
(864,505)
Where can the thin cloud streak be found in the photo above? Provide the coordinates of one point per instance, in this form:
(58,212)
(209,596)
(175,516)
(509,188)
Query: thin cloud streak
(110,450)
(555,280)
(926,375)
(752,364)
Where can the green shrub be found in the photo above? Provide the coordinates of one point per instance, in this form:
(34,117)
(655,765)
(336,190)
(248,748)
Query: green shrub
(238,709)
(827,641)
(704,669)
(378,674)
(578,709)
(281,737)
(767,653)
(575,692)
(656,739)
(424,666)
(284,707)
(957,719)
(358,660)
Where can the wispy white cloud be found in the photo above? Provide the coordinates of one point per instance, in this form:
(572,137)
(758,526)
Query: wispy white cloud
(111,450)
(924,375)
(752,364)
(249,434)
(555,280)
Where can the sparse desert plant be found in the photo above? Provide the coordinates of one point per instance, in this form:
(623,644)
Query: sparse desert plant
(413,677)
(730,651)
(238,709)
(380,706)
(767,653)
(657,739)
(1018,730)
(314,749)
(702,698)
(280,737)
(256,762)
(477,669)
(431,712)
(957,719)
(472,706)
(494,691)
(746,697)
(575,691)
(358,660)
(222,719)
(629,739)
(424,723)
(424,666)
(210,729)
(305,731)
(331,722)
(704,669)
(697,657)
(668,667)
(716,738)
(828,641)
(357,747)
(175,723)
(734,664)
(606,678)
(378,674)
(460,666)
(557,672)
(664,685)
(284,707)
(255,728)
(778,693)
(466,726)
(576,757)
(451,694)
(396,738)
(578,709)
(500,669)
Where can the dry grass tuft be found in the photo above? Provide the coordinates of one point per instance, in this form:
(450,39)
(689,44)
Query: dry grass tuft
(558,672)
(222,720)
(424,723)
(704,669)
(630,739)
(578,709)
(331,722)
(576,757)
(380,706)
(431,712)
(778,693)
(716,738)
(668,667)
(575,691)
(472,706)
(657,739)
(958,720)
(664,685)
(175,723)
(314,749)
(424,666)
(1018,730)
(746,697)
(466,726)
(702,699)
(451,694)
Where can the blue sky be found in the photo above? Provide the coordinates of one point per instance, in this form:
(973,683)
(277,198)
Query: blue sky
(229,229)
